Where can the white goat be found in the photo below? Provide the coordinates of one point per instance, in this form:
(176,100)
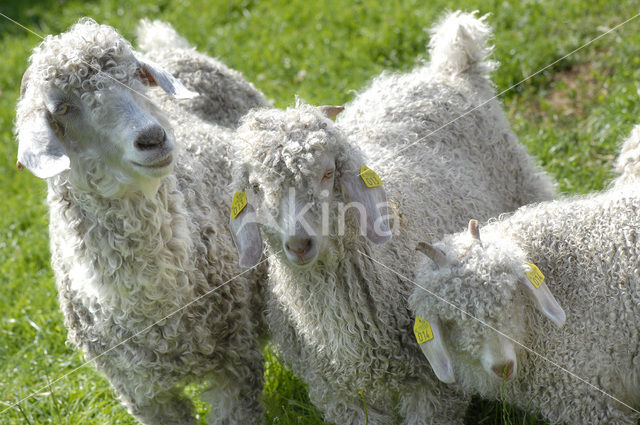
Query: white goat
(340,320)
(587,248)
(137,228)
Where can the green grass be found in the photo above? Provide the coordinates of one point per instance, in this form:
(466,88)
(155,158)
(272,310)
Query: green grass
(572,117)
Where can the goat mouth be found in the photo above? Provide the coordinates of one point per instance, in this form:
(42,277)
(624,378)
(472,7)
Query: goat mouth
(165,162)
(302,262)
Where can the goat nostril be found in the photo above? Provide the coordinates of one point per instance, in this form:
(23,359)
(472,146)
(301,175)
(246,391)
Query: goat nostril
(503,370)
(304,247)
(151,138)
(300,247)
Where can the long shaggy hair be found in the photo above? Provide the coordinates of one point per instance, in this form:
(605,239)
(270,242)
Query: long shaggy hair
(133,268)
(588,251)
(343,324)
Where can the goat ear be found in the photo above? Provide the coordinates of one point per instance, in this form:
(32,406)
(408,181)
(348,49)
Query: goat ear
(431,341)
(153,74)
(245,231)
(371,201)
(544,299)
(39,149)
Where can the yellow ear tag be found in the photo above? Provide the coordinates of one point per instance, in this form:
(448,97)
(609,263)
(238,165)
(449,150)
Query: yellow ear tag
(238,204)
(422,330)
(369,177)
(535,276)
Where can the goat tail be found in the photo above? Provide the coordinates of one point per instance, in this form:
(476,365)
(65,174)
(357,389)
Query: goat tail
(460,44)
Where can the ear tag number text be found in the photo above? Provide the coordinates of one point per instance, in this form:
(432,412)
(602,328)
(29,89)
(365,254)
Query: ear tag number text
(422,330)
(369,177)
(238,204)
(535,276)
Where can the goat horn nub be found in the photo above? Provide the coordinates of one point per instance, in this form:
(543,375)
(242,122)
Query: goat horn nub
(434,253)
(474,229)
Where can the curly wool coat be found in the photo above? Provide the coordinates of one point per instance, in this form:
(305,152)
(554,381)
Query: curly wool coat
(148,285)
(343,324)
(587,247)
(441,137)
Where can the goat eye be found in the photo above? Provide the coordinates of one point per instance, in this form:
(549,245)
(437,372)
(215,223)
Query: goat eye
(61,109)
(328,174)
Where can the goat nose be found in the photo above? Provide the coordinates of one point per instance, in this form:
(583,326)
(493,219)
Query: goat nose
(504,370)
(150,137)
(299,246)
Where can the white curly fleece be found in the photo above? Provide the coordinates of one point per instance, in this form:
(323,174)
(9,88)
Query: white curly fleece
(124,261)
(343,324)
(588,249)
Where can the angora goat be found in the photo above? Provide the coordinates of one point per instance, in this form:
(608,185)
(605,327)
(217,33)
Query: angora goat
(138,229)
(340,320)
(588,249)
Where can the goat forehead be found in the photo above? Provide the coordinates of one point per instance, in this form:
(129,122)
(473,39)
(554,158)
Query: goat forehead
(295,162)
(291,143)
(86,38)
(475,290)
(466,334)
(80,57)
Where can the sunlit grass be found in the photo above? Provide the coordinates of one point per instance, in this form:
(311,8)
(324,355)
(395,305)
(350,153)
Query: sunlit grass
(571,117)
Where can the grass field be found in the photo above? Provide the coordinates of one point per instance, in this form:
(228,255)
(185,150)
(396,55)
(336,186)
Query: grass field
(571,117)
